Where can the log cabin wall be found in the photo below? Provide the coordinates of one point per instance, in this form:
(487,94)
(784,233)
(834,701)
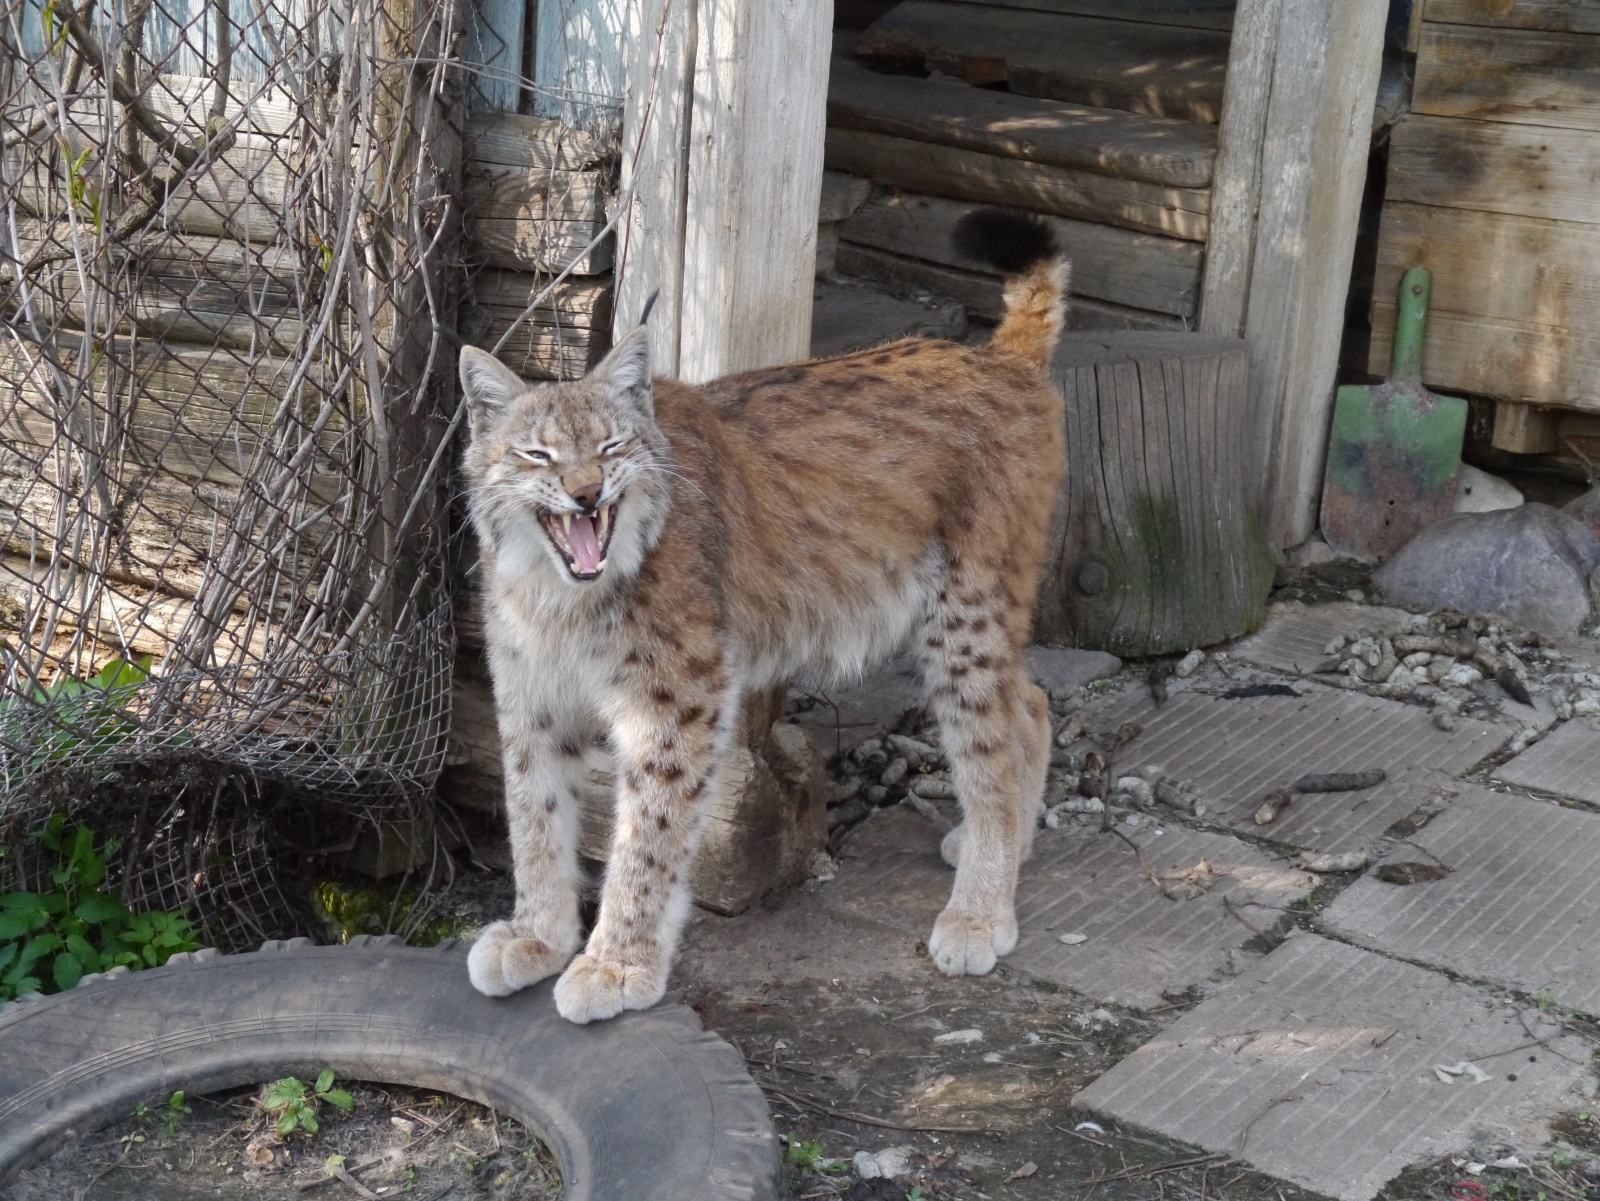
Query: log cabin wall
(539,184)
(1493,185)
(1107,125)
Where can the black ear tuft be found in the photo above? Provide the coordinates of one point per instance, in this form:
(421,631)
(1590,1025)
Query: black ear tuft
(1006,240)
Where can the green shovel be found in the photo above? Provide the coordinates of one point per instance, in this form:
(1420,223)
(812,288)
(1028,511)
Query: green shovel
(1395,449)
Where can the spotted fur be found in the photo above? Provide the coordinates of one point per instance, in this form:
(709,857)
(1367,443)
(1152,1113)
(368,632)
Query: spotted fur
(802,521)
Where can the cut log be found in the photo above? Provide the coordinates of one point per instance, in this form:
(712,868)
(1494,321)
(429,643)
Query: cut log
(827,250)
(980,294)
(198,414)
(1186,14)
(1558,16)
(535,349)
(1499,167)
(532,143)
(533,245)
(580,303)
(842,195)
(1141,271)
(1156,150)
(847,317)
(537,220)
(194,289)
(1525,430)
(1525,77)
(988,179)
(1156,546)
(1151,69)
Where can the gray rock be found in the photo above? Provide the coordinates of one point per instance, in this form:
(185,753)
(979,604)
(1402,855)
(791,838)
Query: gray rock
(1313,552)
(1531,563)
(1058,669)
(1586,509)
(1480,492)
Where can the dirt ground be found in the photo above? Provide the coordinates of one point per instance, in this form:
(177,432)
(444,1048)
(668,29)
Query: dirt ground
(393,1142)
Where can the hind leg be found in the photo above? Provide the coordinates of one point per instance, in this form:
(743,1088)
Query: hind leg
(1034,748)
(983,699)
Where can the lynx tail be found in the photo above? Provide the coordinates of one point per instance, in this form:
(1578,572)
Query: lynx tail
(1023,248)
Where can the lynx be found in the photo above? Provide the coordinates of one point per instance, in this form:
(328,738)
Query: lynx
(650,551)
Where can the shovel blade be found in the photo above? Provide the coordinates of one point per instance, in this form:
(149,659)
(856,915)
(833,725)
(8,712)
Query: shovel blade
(1394,456)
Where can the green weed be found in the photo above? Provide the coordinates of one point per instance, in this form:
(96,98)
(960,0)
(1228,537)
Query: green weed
(295,1104)
(50,940)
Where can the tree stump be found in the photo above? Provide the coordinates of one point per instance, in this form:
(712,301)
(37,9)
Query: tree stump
(1156,546)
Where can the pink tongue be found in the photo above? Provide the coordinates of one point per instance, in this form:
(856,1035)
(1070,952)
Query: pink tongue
(585,540)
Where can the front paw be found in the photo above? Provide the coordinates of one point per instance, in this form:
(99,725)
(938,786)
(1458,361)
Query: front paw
(501,961)
(592,990)
(966,944)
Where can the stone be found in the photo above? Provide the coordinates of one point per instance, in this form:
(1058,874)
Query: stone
(1313,552)
(1316,1066)
(866,1166)
(1479,492)
(1531,564)
(1586,509)
(1061,669)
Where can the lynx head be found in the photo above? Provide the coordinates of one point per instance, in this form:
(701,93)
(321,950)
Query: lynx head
(567,476)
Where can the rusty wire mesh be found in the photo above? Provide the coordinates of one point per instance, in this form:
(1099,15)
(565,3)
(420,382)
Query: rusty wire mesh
(224,414)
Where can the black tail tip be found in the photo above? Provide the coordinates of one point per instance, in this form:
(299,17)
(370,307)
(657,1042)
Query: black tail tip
(1009,241)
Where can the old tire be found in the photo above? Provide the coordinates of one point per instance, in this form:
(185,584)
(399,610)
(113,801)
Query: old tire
(646,1106)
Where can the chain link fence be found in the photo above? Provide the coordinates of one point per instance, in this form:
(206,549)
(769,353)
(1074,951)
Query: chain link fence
(225,409)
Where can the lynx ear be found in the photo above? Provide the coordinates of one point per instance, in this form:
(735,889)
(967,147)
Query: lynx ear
(487,387)
(626,371)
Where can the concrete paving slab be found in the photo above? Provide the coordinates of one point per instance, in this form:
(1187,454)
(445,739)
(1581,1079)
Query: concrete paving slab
(1144,938)
(1237,751)
(1566,762)
(1520,909)
(1317,1066)
(1294,636)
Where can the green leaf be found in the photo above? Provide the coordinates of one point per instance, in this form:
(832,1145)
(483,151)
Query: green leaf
(20,900)
(68,971)
(99,907)
(87,955)
(15,925)
(308,1120)
(282,1093)
(8,953)
(325,1081)
(339,1099)
(288,1122)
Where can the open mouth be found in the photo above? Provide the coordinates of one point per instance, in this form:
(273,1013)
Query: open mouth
(582,538)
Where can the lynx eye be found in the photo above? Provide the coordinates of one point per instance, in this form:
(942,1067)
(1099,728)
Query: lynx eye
(615,446)
(539,458)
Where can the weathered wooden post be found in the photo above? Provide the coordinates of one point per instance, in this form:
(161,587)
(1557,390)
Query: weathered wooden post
(1157,546)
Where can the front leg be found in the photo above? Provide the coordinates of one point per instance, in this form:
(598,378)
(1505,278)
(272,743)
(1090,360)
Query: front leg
(543,770)
(671,732)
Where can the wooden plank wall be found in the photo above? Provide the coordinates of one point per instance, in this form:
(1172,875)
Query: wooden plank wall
(1494,184)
